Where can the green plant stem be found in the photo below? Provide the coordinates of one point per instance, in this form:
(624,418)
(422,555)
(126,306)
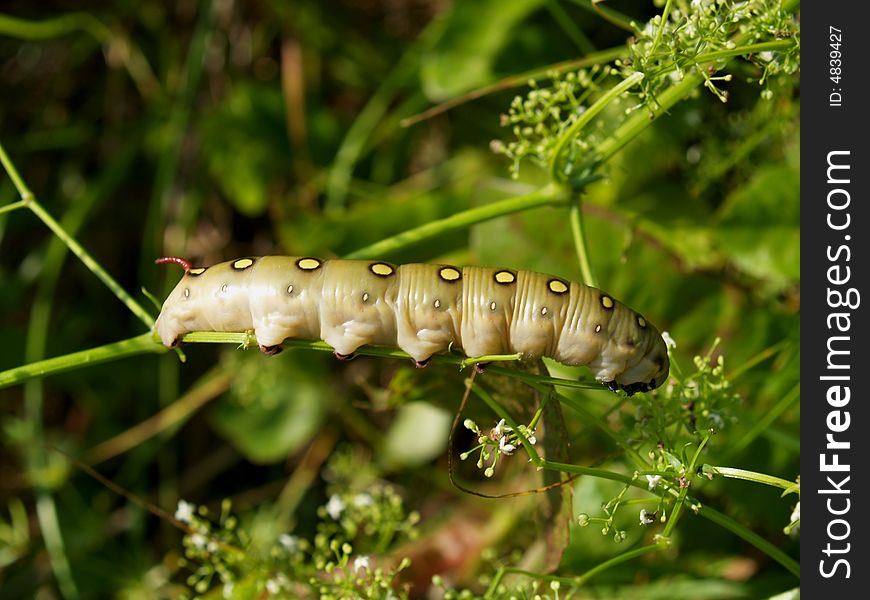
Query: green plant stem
(750,536)
(54,27)
(706,512)
(596,58)
(359,133)
(46,512)
(662,22)
(765,420)
(579,233)
(30,201)
(569,136)
(617,560)
(549,195)
(754,476)
(12,206)
(140,344)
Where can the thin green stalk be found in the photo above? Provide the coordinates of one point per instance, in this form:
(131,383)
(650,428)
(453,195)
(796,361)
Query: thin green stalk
(569,135)
(546,196)
(663,20)
(579,233)
(684,491)
(46,512)
(753,476)
(358,135)
(569,26)
(141,344)
(13,206)
(767,419)
(30,201)
(520,79)
(53,27)
(704,511)
(617,560)
(750,536)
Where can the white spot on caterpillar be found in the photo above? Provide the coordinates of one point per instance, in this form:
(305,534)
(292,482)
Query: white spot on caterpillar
(365,297)
(187,292)
(224,288)
(492,306)
(290,289)
(597,328)
(437,303)
(544,311)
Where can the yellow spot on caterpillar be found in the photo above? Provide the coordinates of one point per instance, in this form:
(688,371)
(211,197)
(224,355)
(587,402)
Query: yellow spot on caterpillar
(641,321)
(382,269)
(606,301)
(557,287)
(449,274)
(197,271)
(505,277)
(243,263)
(308,264)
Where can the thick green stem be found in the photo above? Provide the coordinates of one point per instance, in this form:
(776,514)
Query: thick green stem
(549,195)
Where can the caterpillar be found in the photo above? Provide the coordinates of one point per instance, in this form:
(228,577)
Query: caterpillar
(421,308)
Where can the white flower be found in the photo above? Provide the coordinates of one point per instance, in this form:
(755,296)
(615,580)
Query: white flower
(290,542)
(504,447)
(669,341)
(272,586)
(646,518)
(334,507)
(796,513)
(361,562)
(197,540)
(501,428)
(184,511)
(653,481)
(228,589)
(363,500)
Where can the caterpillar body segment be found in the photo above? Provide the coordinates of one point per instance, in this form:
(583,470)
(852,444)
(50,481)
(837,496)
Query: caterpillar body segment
(420,308)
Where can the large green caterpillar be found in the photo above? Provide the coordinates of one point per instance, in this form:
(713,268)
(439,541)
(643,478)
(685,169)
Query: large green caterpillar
(422,309)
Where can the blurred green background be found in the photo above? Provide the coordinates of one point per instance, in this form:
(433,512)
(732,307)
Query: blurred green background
(218,129)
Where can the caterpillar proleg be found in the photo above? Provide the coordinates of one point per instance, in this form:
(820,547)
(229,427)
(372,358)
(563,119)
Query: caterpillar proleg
(420,308)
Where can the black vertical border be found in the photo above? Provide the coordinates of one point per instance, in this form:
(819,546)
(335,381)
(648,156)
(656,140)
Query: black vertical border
(833,128)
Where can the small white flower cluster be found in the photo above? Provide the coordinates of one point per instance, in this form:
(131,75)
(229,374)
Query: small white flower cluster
(502,439)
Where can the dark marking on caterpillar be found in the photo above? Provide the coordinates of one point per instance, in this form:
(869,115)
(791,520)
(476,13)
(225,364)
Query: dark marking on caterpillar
(485,312)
